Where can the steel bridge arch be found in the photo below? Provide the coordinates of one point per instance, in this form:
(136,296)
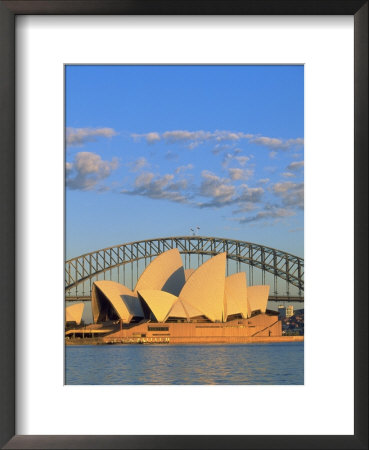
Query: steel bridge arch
(283,265)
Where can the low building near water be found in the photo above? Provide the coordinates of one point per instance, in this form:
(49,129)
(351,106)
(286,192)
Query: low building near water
(171,305)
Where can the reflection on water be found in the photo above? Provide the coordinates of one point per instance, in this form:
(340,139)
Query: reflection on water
(277,363)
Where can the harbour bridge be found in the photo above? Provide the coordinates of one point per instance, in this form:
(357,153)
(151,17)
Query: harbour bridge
(124,263)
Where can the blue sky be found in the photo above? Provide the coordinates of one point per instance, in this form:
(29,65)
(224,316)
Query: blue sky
(153,151)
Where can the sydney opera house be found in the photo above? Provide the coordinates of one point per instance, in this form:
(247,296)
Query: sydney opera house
(172,305)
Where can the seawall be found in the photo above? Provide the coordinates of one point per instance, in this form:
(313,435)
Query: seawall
(185,340)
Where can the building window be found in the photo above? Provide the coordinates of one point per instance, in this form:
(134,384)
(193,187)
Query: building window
(158,328)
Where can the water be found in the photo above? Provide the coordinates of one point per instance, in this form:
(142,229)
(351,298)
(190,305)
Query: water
(275,363)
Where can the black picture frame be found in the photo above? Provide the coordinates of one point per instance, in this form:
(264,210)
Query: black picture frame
(8,12)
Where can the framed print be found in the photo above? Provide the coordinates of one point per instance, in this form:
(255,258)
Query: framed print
(179,295)
(160,191)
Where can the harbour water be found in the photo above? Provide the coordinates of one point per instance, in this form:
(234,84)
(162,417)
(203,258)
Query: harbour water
(272,364)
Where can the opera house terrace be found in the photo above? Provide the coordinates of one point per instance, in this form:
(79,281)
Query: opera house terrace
(172,305)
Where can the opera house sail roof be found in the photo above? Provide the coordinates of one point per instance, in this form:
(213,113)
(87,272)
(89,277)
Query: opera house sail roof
(111,300)
(205,288)
(73,313)
(258,297)
(166,292)
(236,295)
(164,273)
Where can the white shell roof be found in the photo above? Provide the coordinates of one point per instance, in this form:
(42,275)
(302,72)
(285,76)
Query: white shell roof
(204,290)
(73,313)
(257,297)
(123,300)
(164,273)
(236,294)
(159,302)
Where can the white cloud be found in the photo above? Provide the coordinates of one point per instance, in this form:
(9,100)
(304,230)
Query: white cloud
(218,148)
(267,141)
(151,138)
(180,169)
(228,157)
(185,136)
(79,136)
(295,166)
(288,175)
(245,207)
(68,167)
(270,212)
(194,138)
(250,194)
(234,157)
(298,142)
(292,194)
(218,189)
(222,193)
(240,174)
(139,164)
(158,187)
(221,137)
(242,159)
(277,144)
(87,170)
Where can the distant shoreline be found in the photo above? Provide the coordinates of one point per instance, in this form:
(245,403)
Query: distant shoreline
(175,341)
